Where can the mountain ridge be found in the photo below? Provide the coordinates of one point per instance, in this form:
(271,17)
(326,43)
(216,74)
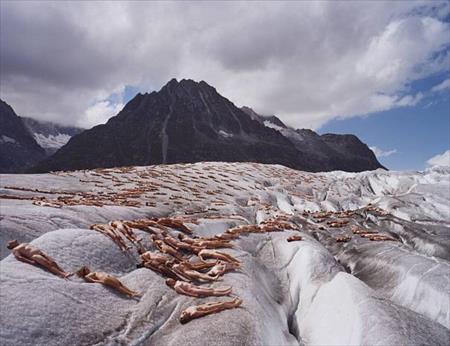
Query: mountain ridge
(18,149)
(49,135)
(187,121)
(330,148)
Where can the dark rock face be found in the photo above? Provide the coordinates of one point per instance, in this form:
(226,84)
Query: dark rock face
(185,122)
(50,136)
(351,154)
(18,149)
(329,152)
(334,152)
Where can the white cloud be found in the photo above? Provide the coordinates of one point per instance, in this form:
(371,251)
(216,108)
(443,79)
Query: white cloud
(382,153)
(307,62)
(440,159)
(441,86)
(99,113)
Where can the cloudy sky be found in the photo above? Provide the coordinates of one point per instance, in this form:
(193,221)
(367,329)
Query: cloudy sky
(376,69)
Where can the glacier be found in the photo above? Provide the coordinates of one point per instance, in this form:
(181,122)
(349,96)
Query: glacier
(51,141)
(372,267)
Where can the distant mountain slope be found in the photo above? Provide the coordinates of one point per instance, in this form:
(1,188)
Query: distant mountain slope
(18,149)
(333,152)
(48,135)
(188,121)
(268,120)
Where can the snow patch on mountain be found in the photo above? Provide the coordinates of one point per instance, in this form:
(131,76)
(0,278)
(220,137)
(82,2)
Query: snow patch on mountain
(285,131)
(268,123)
(6,139)
(440,160)
(225,134)
(51,141)
(48,135)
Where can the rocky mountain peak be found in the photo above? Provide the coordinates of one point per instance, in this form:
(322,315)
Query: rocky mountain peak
(188,88)
(189,121)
